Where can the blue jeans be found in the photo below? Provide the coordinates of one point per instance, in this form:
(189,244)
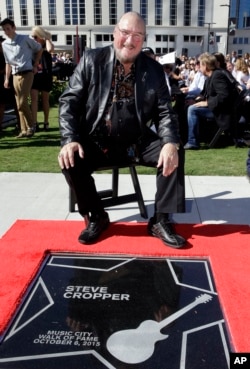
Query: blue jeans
(194,114)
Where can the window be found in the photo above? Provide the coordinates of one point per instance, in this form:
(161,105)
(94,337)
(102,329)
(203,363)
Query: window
(164,38)
(246,21)
(105,38)
(74,9)
(23,12)
(52,12)
(128,6)
(67,12)
(82,12)
(144,10)
(187,12)
(173,13)
(37,12)
(9,9)
(164,50)
(74,12)
(112,11)
(97,12)
(158,12)
(201,12)
(217,39)
(69,40)
(192,38)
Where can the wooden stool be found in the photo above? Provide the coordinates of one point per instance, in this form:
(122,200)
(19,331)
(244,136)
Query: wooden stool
(111,198)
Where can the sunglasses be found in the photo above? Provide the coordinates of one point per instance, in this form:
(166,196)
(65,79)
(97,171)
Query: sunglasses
(35,37)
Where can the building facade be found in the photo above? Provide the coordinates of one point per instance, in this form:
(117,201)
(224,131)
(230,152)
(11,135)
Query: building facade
(186,26)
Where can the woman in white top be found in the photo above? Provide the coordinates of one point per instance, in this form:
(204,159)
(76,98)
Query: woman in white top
(240,72)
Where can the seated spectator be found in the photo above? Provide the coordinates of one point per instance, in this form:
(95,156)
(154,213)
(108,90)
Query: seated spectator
(192,72)
(216,101)
(177,97)
(233,56)
(149,52)
(197,85)
(240,72)
(184,73)
(245,105)
(230,66)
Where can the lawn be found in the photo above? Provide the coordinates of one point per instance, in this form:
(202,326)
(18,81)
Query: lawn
(39,154)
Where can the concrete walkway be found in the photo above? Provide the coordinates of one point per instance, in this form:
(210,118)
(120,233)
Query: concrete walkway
(44,196)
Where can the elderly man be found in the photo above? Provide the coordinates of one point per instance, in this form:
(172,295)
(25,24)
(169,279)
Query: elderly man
(113,97)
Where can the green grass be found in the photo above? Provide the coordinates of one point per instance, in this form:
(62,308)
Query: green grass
(39,154)
(36,154)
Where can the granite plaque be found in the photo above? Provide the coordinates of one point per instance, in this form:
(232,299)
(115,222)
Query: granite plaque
(96,312)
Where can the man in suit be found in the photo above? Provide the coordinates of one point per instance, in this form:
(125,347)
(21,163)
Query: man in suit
(215,102)
(113,97)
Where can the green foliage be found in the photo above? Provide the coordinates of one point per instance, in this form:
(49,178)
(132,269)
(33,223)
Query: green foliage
(39,153)
(57,90)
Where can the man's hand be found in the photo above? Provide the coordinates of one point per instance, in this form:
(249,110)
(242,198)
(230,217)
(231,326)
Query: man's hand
(168,159)
(201,104)
(66,155)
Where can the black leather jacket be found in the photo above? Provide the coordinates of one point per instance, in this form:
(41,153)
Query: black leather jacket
(82,104)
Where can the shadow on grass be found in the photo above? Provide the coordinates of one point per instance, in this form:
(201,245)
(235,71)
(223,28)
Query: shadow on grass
(50,138)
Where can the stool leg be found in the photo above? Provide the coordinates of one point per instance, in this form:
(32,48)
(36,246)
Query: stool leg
(215,138)
(138,192)
(115,175)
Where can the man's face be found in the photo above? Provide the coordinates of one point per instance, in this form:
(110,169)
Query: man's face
(203,68)
(9,30)
(129,36)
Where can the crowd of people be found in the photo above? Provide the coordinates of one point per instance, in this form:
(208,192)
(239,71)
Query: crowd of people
(63,65)
(27,69)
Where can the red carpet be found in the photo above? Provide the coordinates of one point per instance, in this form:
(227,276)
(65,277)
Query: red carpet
(24,246)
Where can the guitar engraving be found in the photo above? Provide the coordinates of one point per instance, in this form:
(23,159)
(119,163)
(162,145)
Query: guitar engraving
(133,346)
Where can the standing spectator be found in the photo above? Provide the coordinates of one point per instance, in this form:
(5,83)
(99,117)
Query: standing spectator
(2,89)
(68,66)
(7,95)
(105,111)
(43,79)
(22,55)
